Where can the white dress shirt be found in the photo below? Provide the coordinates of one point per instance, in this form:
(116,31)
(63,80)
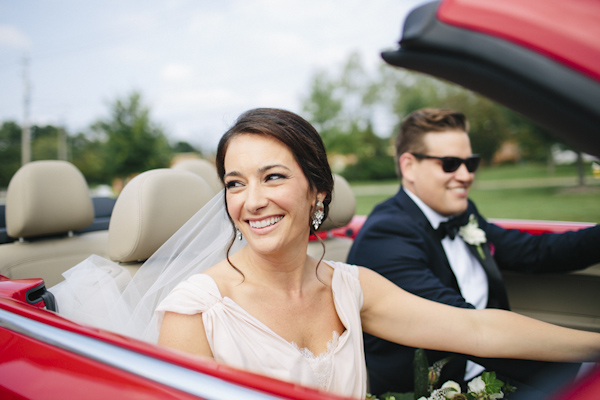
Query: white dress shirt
(470,275)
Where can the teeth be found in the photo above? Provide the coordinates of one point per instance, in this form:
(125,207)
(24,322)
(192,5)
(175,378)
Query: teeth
(265,222)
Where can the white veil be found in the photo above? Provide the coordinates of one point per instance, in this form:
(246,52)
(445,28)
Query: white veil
(102,293)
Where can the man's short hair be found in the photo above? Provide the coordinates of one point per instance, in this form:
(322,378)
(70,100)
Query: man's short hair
(420,122)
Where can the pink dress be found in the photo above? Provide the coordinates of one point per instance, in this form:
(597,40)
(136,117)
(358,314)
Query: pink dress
(238,339)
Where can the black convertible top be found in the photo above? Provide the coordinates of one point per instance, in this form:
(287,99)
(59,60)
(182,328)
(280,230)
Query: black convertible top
(557,96)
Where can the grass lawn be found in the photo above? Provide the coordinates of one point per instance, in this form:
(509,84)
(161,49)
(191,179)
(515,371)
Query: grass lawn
(545,203)
(522,192)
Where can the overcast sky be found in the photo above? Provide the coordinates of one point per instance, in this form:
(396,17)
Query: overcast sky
(197,63)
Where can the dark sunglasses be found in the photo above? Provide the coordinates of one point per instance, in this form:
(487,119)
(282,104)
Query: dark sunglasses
(451,164)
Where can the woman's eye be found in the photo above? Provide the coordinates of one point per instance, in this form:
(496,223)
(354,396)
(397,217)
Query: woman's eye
(272,177)
(232,184)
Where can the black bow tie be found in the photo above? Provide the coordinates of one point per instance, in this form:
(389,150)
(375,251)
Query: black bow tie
(450,228)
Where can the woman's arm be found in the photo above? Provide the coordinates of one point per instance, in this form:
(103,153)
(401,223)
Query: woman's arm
(398,316)
(184,332)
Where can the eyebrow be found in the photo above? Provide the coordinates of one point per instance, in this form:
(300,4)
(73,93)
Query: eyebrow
(260,170)
(268,167)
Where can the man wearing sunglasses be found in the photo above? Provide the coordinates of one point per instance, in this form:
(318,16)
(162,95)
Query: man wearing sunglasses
(414,239)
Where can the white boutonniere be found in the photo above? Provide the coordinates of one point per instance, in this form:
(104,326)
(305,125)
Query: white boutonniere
(472,234)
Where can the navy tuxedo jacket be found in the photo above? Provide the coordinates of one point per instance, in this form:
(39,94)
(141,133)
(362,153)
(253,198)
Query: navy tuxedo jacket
(398,242)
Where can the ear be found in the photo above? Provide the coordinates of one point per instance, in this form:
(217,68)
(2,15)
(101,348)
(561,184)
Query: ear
(321,196)
(407,164)
(314,197)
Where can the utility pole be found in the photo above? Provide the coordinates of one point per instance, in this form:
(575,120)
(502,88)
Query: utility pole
(62,142)
(26,131)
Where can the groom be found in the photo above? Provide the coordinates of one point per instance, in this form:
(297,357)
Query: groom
(408,240)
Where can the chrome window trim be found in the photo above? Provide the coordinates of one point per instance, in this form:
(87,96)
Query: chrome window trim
(180,378)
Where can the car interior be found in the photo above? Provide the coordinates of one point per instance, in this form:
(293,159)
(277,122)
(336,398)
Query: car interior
(149,210)
(47,202)
(202,168)
(53,223)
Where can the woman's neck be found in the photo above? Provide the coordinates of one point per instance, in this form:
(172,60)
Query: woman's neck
(290,272)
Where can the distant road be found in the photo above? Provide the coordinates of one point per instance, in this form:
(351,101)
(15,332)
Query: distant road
(389,189)
(566,181)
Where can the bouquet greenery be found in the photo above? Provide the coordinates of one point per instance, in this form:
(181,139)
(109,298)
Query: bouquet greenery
(484,387)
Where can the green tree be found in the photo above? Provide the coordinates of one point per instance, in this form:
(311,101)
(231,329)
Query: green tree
(374,160)
(535,141)
(342,109)
(87,155)
(133,142)
(323,105)
(344,105)
(184,147)
(491,124)
(10,151)
(406,91)
(45,142)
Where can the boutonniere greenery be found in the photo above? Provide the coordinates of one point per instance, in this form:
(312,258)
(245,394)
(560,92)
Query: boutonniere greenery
(472,234)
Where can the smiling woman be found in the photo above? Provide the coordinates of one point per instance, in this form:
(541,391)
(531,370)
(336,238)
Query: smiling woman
(270,295)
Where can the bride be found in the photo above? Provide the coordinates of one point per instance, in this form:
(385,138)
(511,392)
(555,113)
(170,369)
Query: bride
(235,283)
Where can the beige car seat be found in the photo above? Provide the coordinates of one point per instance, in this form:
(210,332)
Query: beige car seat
(46,203)
(204,169)
(149,210)
(341,212)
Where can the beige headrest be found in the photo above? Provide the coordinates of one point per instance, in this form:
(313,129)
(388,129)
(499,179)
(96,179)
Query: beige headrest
(203,169)
(150,209)
(342,206)
(47,197)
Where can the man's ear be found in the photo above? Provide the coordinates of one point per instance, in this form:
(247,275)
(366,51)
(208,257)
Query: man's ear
(407,163)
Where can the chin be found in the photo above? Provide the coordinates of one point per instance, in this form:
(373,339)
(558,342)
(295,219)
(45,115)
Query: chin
(458,209)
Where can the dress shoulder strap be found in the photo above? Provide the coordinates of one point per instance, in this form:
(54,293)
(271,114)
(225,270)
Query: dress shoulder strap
(344,268)
(196,294)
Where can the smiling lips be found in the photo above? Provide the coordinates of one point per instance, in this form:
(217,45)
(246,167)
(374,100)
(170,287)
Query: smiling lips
(265,222)
(460,189)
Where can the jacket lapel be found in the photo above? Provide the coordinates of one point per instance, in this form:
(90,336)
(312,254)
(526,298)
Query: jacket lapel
(441,268)
(497,297)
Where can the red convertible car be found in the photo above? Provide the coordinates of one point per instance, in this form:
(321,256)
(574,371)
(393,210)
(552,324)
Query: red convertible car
(538,57)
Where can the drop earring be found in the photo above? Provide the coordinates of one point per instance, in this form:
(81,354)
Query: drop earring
(318,215)
(238,233)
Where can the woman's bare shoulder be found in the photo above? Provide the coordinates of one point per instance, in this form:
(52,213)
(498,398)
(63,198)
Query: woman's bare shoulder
(225,276)
(324,271)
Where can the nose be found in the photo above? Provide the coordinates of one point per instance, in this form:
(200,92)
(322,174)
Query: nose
(463,174)
(255,197)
